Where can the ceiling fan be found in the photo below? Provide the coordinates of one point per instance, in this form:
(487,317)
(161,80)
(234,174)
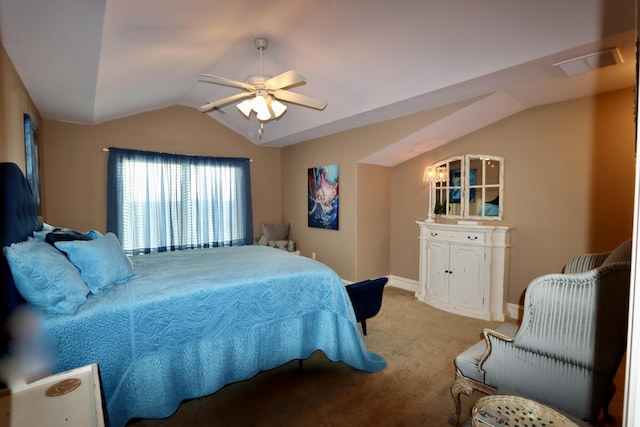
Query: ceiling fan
(265,91)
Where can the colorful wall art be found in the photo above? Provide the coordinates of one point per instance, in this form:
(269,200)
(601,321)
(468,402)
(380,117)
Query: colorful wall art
(31,142)
(323,197)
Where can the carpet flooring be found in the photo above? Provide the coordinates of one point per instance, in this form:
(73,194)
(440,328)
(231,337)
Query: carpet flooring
(419,343)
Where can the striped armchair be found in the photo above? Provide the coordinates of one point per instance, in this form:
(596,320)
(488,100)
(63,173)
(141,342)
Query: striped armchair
(569,345)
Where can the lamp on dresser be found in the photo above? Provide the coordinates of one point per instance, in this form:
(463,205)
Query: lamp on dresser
(433,174)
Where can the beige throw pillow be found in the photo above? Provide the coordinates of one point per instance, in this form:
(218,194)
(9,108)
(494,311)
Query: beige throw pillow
(275,231)
(620,254)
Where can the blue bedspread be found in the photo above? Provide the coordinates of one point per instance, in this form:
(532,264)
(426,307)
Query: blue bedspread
(196,320)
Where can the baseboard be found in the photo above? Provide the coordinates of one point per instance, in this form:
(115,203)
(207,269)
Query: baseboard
(402,283)
(515,311)
(397,282)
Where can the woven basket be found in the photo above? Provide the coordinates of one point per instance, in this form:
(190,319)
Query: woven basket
(521,412)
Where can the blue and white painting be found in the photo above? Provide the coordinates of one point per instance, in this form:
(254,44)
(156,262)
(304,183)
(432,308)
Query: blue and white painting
(323,197)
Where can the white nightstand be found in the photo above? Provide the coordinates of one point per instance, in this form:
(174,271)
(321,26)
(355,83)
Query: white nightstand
(30,405)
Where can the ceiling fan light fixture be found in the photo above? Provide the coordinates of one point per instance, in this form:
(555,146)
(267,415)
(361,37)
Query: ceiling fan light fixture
(264,92)
(245,107)
(278,108)
(259,104)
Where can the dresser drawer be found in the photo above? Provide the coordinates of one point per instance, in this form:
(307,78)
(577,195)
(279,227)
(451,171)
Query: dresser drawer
(455,236)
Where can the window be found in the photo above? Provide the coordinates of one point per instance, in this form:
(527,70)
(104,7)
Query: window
(161,202)
(473,187)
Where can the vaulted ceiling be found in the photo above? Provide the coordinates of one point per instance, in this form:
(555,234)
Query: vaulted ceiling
(90,61)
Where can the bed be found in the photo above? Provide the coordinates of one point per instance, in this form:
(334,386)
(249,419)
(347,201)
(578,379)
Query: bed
(184,324)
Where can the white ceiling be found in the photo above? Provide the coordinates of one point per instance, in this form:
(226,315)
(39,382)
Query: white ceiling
(90,61)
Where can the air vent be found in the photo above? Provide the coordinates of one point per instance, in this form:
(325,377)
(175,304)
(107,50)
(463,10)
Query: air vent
(585,63)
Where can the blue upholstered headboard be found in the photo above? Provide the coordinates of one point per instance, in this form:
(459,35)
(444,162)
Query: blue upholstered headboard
(19,221)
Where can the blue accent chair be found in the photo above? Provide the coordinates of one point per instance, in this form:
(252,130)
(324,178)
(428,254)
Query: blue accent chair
(366,298)
(569,345)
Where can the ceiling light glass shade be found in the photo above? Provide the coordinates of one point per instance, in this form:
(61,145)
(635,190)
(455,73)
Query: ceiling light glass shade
(261,108)
(245,107)
(278,108)
(266,107)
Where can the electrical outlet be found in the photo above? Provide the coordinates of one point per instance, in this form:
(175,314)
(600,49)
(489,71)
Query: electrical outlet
(313,255)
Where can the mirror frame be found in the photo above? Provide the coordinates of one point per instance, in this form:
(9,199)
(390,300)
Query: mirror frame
(442,191)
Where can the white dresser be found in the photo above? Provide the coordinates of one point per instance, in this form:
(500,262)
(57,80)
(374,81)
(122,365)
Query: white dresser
(463,268)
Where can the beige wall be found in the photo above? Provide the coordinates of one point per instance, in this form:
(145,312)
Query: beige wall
(14,103)
(569,175)
(373,221)
(340,249)
(76,169)
(333,247)
(568,171)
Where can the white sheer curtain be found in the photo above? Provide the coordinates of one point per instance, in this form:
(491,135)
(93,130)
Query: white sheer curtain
(162,202)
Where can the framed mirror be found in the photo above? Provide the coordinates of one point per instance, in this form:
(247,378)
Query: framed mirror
(449,192)
(472,189)
(486,176)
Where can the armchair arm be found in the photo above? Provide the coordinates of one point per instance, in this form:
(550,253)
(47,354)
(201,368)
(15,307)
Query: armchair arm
(566,386)
(493,339)
(585,262)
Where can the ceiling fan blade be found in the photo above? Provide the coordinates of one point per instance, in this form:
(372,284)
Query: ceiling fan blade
(296,98)
(227,82)
(224,101)
(285,80)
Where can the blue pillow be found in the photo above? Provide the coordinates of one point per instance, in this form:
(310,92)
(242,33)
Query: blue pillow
(45,277)
(102,262)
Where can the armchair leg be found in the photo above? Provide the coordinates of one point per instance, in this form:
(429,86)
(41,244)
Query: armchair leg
(459,386)
(466,386)
(364,327)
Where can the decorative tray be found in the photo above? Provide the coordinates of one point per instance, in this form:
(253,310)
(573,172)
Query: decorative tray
(516,411)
